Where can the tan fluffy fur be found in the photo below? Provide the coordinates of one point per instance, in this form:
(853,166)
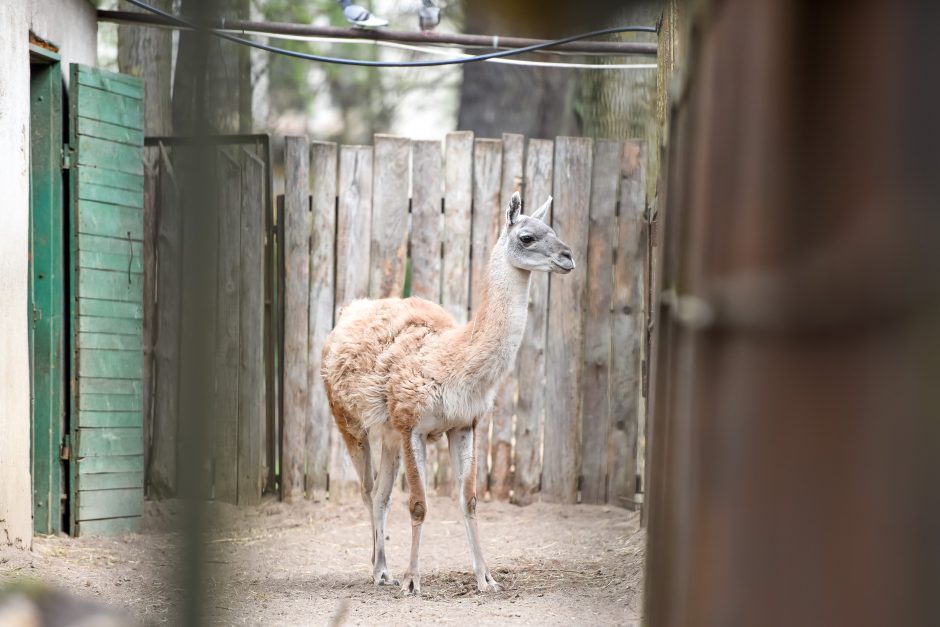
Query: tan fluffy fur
(405,363)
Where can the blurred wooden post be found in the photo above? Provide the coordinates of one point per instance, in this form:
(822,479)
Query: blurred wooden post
(595,386)
(296,313)
(319,425)
(795,429)
(353,242)
(527,453)
(487,220)
(560,467)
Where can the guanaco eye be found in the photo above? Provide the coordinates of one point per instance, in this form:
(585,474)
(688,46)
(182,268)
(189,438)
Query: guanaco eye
(526,239)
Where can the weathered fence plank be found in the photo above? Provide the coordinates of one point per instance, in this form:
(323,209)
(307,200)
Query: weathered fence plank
(504,406)
(353,242)
(487,219)
(389,215)
(530,405)
(458,203)
(162,463)
(628,327)
(572,185)
(319,418)
(296,313)
(455,290)
(251,382)
(227,355)
(595,391)
(426,220)
(427,224)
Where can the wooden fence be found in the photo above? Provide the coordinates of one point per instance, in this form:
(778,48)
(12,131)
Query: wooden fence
(239,459)
(419,218)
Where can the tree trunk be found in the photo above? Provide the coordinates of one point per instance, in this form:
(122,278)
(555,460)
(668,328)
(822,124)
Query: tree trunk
(147,54)
(227,78)
(497,98)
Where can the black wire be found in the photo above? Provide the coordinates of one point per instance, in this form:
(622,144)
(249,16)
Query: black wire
(341,61)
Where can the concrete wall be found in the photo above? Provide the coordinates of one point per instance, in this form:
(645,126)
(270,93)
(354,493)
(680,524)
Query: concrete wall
(71,25)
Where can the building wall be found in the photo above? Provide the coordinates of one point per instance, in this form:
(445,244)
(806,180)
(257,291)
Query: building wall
(71,25)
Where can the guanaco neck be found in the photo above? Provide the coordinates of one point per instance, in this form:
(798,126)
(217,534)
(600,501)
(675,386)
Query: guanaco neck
(488,343)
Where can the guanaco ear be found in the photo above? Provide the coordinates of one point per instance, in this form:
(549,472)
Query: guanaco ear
(515,206)
(542,211)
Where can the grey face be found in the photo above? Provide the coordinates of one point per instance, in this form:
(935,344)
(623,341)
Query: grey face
(532,244)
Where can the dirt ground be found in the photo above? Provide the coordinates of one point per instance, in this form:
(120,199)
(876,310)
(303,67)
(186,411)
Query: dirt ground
(308,563)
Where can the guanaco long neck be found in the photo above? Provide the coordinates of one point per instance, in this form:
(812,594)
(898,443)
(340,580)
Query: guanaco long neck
(489,341)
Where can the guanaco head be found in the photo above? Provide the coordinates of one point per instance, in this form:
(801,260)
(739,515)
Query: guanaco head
(531,243)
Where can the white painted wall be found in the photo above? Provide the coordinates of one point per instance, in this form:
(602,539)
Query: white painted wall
(71,25)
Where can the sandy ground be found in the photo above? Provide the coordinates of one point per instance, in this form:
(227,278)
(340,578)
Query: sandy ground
(308,563)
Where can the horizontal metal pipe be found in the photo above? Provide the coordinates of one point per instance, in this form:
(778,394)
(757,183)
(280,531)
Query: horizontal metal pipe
(430,37)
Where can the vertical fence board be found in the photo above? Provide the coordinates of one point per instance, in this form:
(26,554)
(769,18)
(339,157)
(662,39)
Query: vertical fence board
(487,219)
(353,224)
(162,468)
(296,312)
(565,314)
(458,203)
(426,220)
(455,290)
(251,390)
(427,223)
(527,453)
(595,391)
(319,418)
(504,406)
(227,355)
(353,241)
(389,216)
(628,327)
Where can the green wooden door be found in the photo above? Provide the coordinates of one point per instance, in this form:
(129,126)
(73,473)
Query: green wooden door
(106,182)
(46,291)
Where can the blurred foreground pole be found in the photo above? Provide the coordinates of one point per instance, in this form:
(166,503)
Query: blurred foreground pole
(196,167)
(796,406)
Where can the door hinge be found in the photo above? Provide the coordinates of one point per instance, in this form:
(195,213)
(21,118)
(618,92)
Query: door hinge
(67,155)
(65,450)
(37,314)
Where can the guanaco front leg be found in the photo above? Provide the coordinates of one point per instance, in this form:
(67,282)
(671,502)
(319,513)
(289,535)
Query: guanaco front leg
(463,459)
